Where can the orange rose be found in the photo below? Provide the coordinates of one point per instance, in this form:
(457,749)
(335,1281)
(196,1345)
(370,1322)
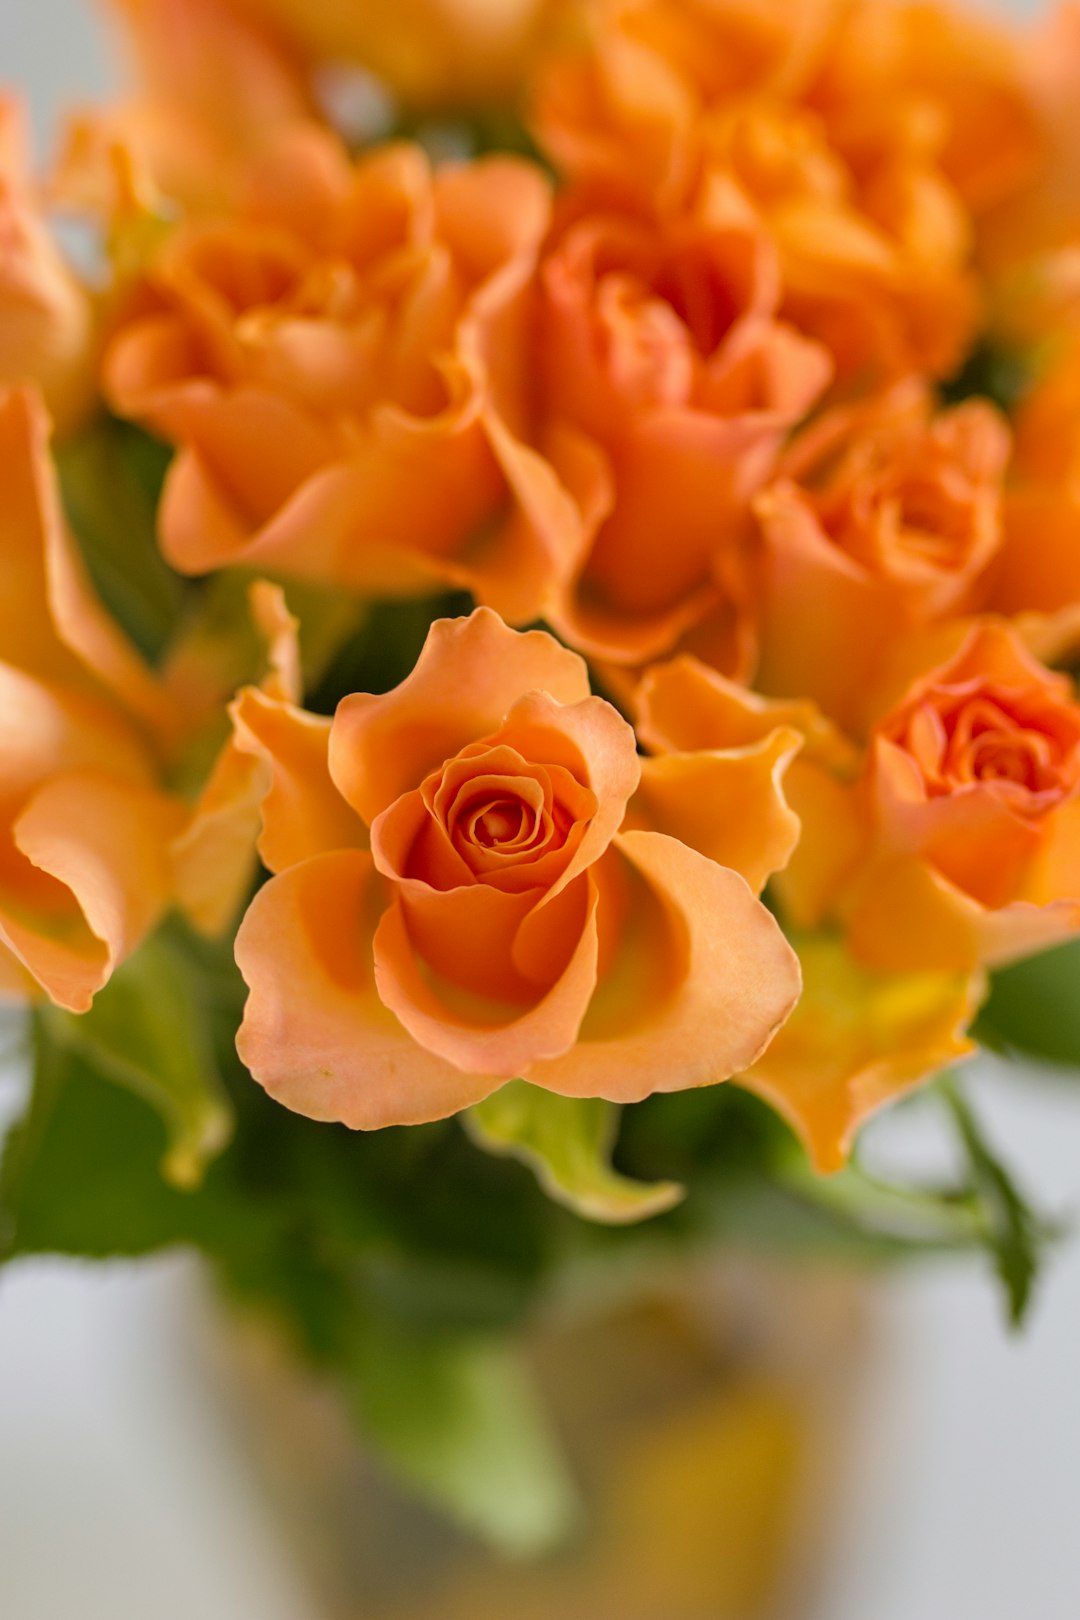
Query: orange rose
(337,361)
(666,386)
(85,830)
(886,521)
(46,320)
(500,924)
(972,793)
(874,240)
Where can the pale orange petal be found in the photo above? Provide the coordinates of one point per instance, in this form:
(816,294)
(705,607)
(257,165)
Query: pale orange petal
(729,805)
(699,980)
(486,1037)
(468,677)
(315,1033)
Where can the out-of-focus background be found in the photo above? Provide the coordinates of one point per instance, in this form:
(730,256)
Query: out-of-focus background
(123,1497)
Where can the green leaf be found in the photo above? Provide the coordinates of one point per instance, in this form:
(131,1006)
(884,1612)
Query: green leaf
(458,1420)
(1034,1007)
(80,1173)
(1014,1233)
(111,476)
(567,1142)
(146,1031)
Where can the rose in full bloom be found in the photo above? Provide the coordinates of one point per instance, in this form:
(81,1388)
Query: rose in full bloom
(340,362)
(887,519)
(85,828)
(47,328)
(864,136)
(971,795)
(457,900)
(665,386)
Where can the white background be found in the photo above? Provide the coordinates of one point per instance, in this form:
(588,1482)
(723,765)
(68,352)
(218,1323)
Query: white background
(121,1499)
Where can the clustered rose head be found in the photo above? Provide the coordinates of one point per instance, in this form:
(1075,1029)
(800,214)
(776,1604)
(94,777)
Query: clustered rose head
(711,401)
(460,899)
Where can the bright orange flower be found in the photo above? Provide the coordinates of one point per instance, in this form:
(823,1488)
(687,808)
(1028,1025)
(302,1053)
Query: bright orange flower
(973,798)
(85,830)
(340,361)
(47,331)
(666,386)
(887,519)
(500,924)
(869,216)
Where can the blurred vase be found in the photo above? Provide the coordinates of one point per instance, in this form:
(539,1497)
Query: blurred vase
(706,1418)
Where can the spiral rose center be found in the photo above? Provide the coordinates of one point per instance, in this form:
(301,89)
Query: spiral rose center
(501,823)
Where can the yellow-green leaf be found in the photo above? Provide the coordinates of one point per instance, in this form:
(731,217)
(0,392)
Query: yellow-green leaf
(567,1142)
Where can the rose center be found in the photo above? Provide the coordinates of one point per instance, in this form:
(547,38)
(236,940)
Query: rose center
(500,823)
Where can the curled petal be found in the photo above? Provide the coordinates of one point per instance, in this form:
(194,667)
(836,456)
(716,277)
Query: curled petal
(858,1040)
(479,1035)
(729,805)
(51,622)
(468,677)
(315,1034)
(695,982)
(303,813)
(107,843)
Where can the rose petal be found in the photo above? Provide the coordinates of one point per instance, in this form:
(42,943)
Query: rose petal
(857,1041)
(700,980)
(315,1034)
(303,814)
(489,1038)
(107,841)
(729,805)
(468,677)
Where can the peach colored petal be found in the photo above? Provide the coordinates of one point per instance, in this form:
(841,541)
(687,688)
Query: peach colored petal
(489,1038)
(858,1040)
(315,1033)
(46,728)
(832,840)
(303,814)
(683,706)
(51,622)
(905,916)
(700,979)
(469,675)
(107,842)
(730,804)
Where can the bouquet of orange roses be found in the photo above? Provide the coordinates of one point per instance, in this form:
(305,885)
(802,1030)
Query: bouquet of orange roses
(539,568)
